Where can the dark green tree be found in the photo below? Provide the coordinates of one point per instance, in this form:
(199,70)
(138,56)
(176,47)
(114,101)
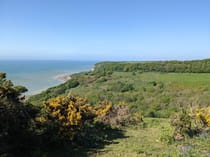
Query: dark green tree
(15,118)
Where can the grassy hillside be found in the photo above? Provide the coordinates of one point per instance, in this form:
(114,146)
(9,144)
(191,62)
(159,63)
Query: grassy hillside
(154,92)
(154,140)
(151,93)
(150,140)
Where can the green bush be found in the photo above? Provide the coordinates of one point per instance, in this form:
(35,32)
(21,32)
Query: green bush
(71,84)
(61,89)
(122,87)
(16,119)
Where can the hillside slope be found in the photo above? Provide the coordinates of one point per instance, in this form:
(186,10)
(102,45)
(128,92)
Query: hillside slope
(152,93)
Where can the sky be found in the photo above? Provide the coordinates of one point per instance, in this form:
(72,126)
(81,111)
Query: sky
(104,29)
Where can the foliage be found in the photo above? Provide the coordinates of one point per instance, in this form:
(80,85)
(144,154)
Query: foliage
(16,119)
(190,123)
(155,141)
(182,123)
(122,87)
(162,100)
(67,117)
(146,88)
(63,122)
(203,115)
(53,92)
(166,136)
(195,66)
(153,93)
(120,115)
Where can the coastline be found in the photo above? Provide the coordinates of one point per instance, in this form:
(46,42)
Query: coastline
(38,76)
(63,77)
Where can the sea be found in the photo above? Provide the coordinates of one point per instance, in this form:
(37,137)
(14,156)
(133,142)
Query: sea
(37,76)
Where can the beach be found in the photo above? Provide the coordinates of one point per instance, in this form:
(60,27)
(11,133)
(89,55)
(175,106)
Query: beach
(63,77)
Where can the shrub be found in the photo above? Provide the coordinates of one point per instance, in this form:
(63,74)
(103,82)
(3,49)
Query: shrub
(191,124)
(182,123)
(16,117)
(101,80)
(67,117)
(71,83)
(166,136)
(203,115)
(122,87)
(121,115)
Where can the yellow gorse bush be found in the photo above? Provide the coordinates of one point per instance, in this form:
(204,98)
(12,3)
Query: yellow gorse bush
(105,107)
(203,114)
(41,119)
(71,113)
(68,111)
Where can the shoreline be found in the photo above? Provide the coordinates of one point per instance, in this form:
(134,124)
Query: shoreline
(63,77)
(36,79)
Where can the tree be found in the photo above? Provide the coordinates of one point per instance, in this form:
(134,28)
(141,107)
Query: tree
(15,117)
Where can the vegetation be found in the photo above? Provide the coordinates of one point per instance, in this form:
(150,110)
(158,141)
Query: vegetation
(195,66)
(119,109)
(150,94)
(156,139)
(203,115)
(68,122)
(16,119)
(69,116)
(53,92)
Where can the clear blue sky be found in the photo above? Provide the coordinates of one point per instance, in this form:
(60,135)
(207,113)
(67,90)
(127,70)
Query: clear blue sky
(105,29)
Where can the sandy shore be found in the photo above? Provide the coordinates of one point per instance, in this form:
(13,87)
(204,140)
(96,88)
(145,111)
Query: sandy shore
(63,77)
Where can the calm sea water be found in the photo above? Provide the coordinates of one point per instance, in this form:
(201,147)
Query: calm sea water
(40,75)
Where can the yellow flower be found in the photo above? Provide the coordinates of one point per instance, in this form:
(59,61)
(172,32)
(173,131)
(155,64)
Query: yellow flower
(41,119)
(204,115)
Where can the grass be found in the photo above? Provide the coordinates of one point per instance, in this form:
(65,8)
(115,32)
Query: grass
(178,80)
(154,139)
(140,141)
(148,142)
(187,80)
